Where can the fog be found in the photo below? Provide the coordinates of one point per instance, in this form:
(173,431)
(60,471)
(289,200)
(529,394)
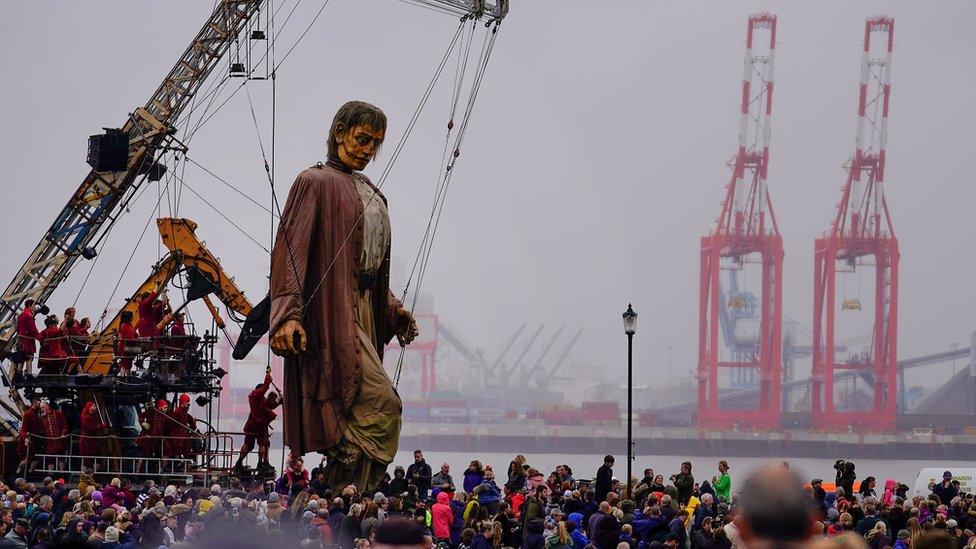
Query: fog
(595,160)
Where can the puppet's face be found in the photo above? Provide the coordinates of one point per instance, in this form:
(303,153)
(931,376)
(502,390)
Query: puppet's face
(358,145)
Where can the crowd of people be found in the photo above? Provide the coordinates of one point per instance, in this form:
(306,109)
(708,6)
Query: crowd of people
(519,507)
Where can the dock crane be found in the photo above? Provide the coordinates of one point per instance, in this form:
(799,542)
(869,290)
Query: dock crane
(746,232)
(861,235)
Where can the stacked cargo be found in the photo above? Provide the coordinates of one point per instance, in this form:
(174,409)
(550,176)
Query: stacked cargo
(416,411)
(448,410)
(601,413)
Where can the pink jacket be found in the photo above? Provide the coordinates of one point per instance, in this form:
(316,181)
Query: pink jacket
(441,516)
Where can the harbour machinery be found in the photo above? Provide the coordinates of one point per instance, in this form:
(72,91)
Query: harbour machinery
(745,234)
(861,236)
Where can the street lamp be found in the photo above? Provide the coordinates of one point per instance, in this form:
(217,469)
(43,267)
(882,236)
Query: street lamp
(630,328)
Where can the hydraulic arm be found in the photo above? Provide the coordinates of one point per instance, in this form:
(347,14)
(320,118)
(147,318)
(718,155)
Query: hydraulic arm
(186,254)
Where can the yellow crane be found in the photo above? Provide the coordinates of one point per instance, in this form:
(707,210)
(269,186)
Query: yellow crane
(186,253)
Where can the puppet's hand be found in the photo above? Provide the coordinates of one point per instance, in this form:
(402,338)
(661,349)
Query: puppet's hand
(283,341)
(406,326)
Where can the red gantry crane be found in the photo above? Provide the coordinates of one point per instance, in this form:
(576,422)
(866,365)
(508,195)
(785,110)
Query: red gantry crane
(746,233)
(861,235)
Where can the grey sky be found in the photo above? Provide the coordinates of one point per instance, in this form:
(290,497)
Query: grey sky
(595,160)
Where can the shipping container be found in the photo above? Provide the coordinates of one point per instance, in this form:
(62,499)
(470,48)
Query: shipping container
(448,414)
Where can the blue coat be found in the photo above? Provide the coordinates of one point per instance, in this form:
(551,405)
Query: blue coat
(472,480)
(490,493)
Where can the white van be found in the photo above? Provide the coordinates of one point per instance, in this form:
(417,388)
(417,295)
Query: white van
(928,476)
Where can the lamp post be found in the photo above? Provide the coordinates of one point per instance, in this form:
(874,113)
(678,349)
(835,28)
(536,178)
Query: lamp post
(630,328)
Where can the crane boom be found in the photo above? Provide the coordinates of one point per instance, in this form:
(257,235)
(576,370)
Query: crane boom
(186,252)
(95,206)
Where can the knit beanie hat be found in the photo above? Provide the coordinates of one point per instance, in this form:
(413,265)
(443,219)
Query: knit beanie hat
(111,535)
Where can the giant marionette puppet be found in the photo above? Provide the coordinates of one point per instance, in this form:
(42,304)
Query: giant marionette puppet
(332,311)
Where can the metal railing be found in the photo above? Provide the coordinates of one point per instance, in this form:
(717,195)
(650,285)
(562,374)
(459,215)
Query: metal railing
(217,455)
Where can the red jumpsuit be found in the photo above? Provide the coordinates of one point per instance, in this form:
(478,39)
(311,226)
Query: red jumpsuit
(126,333)
(149,439)
(91,424)
(178,329)
(181,426)
(146,325)
(30,425)
(55,429)
(27,332)
(260,416)
(52,355)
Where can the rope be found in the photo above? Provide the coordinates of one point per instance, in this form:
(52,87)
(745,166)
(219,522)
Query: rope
(441,194)
(126,267)
(227,219)
(393,158)
(229,185)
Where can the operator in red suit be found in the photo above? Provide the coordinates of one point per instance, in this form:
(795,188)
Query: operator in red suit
(54,428)
(27,336)
(151,311)
(42,431)
(258,421)
(154,422)
(181,427)
(30,427)
(178,329)
(126,334)
(53,340)
(91,426)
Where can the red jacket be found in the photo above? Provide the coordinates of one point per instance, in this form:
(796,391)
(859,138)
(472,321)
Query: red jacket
(178,329)
(52,344)
(146,325)
(30,424)
(179,427)
(91,424)
(262,414)
(27,331)
(126,333)
(55,428)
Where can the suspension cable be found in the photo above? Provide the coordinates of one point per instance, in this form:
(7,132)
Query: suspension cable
(441,195)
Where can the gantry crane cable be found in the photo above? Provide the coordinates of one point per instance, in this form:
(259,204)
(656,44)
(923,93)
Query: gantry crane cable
(423,255)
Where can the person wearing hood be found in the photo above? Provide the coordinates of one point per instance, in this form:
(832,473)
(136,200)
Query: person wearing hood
(888,496)
(442,516)
(901,542)
(580,541)
(608,531)
(534,538)
(399,483)
(74,533)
